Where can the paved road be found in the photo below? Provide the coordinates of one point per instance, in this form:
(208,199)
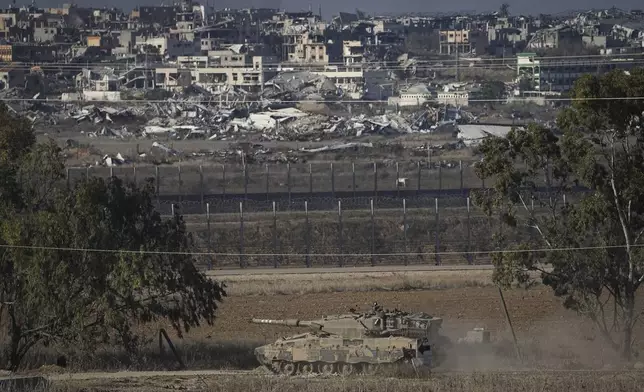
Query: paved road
(348,270)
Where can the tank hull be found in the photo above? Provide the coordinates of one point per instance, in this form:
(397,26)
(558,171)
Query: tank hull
(309,354)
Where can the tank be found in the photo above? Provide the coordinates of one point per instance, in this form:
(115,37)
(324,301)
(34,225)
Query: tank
(355,342)
(325,353)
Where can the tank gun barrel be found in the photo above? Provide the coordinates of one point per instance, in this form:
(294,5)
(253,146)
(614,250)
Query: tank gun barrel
(287,322)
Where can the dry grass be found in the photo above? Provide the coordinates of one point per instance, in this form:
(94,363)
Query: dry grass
(244,285)
(195,354)
(484,382)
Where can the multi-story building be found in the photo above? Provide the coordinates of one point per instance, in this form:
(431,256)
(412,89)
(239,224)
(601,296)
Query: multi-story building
(305,48)
(452,41)
(559,74)
(169,47)
(352,52)
(229,69)
(21,52)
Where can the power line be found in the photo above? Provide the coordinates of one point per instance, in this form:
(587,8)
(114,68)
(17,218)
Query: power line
(403,254)
(268,101)
(341,63)
(507,65)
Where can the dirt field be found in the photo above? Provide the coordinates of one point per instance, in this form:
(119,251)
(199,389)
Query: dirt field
(284,281)
(551,338)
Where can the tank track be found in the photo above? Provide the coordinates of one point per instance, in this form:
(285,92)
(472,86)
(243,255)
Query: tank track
(287,368)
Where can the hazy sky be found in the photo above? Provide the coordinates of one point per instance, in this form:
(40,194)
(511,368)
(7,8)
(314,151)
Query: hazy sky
(330,7)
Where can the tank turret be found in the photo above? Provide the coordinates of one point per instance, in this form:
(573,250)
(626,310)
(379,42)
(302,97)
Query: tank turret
(376,322)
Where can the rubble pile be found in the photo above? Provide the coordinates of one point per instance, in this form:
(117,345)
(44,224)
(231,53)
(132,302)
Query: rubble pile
(294,106)
(225,115)
(301,85)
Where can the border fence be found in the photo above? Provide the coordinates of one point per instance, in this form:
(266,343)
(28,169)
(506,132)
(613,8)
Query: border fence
(321,184)
(405,235)
(319,215)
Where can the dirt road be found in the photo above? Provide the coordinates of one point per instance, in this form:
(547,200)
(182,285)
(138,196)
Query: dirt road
(129,375)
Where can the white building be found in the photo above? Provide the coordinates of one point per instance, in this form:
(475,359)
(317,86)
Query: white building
(204,72)
(358,83)
(453,97)
(413,96)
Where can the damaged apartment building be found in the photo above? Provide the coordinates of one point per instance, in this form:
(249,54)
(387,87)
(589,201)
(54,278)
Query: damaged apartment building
(236,66)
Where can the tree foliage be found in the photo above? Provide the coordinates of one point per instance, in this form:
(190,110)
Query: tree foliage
(82,267)
(491,90)
(600,148)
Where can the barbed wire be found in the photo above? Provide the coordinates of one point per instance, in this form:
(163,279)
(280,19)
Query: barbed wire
(400,254)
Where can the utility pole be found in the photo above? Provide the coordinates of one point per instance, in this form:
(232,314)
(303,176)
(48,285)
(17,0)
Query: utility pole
(458,75)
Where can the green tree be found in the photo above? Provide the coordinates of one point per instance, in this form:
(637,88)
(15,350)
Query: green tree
(504,10)
(602,149)
(491,90)
(82,267)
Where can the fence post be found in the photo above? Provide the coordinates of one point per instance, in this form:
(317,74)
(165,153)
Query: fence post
(532,220)
(223,181)
(469,234)
(373,235)
(340,238)
(405,230)
(437,229)
(429,156)
(501,226)
(87,173)
(267,182)
(201,191)
(180,187)
(419,178)
(245,181)
(308,234)
(440,178)
(111,171)
(172,209)
(68,179)
(156,183)
(209,236)
(134,174)
(288,183)
(310,181)
(397,182)
(375,180)
(275,262)
(241,234)
(460,169)
(353,178)
(332,181)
